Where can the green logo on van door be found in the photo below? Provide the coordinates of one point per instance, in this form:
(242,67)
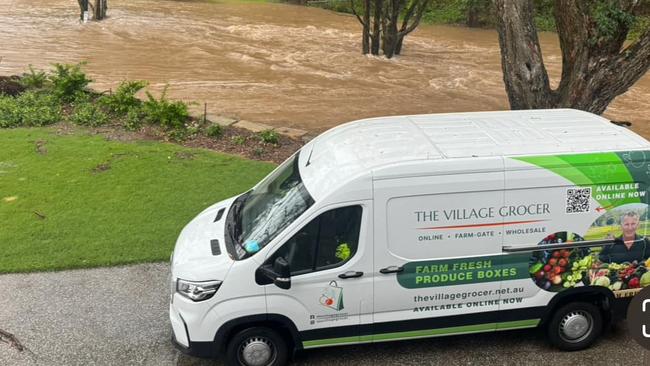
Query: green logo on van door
(451,272)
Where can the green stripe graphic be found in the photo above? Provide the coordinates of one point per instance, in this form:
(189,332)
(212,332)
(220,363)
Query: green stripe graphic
(465,329)
(589,170)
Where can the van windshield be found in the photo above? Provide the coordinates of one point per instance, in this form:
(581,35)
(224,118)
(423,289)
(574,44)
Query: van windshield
(257,216)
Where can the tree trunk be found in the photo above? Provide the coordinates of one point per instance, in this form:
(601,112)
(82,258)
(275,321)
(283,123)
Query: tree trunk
(596,67)
(398,46)
(100,9)
(83,7)
(524,74)
(409,22)
(390,37)
(473,12)
(366,27)
(376,27)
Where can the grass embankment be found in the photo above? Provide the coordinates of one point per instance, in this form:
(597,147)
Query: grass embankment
(82,201)
(41,98)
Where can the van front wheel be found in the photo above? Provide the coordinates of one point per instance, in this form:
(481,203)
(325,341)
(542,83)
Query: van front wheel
(257,346)
(575,326)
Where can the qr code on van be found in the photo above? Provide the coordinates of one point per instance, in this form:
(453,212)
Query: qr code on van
(577,200)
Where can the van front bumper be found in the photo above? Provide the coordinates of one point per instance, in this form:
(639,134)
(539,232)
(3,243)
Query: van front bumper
(197,349)
(181,339)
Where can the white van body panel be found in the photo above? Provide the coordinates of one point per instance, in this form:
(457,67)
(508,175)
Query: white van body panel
(396,200)
(360,146)
(301,303)
(232,301)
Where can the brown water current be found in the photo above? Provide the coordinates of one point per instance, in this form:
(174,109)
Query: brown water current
(278,64)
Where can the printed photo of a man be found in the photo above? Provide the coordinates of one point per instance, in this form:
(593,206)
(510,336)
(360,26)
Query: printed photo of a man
(628,247)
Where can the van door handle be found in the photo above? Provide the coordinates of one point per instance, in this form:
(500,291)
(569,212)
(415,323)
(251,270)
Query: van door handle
(391,269)
(351,274)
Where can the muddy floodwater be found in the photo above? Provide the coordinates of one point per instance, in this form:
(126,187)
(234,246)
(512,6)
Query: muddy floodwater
(278,64)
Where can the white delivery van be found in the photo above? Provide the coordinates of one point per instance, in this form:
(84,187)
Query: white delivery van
(419,226)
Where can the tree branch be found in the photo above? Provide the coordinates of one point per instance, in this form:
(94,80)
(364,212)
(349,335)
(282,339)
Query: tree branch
(409,13)
(633,62)
(571,21)
(357,15)
(11,339)
(418,17)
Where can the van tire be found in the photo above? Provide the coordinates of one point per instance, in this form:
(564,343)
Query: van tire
(248,345)
(575,326)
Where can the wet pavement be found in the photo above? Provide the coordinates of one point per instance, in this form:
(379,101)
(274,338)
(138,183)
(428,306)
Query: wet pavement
(118,316)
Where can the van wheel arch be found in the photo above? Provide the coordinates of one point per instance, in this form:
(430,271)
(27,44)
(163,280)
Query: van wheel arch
(277,322)
(601,297)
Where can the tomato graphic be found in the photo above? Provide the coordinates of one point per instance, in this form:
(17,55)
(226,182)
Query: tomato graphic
(329,301)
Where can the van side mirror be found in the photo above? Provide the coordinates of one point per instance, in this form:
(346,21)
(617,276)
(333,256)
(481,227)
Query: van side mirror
(279,273)
(282,273)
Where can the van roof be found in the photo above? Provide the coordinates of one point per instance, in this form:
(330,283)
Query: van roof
(350,149)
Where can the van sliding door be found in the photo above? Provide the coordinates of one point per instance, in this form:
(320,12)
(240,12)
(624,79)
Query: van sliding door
(438,243)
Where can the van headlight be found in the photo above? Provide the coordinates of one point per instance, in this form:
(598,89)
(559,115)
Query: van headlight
(197,291)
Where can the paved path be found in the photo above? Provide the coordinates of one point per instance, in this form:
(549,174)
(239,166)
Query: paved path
(118,316)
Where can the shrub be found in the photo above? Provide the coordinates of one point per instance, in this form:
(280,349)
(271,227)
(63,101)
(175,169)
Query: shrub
(177,135)
(641,23)
(214,131)
(9,112)
(124,99)
(269,137)
(34,79)
(88,114)
(29,109)
(170,115)
(38,109)
(68,81)
(192,130)
(81,98)
(133,120)
(239,140)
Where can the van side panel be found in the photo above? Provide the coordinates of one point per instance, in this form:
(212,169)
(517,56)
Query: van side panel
(444,235)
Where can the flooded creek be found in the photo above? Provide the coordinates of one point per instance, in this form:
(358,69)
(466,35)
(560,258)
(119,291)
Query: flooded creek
(278,64)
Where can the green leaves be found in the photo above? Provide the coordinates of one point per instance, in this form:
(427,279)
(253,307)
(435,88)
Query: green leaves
(68,80)
(124,98)
(269,137)
(610,20)
(29,109)
(89,115)
(170,115)
(214,131)
(34,79)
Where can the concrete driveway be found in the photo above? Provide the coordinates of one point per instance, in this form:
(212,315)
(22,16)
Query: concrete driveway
(118,316)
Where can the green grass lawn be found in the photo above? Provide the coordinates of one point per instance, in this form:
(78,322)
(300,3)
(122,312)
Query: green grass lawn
(82,201)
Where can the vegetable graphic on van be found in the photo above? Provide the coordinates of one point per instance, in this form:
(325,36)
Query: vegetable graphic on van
(618,260)
(332,296)
(555,270)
